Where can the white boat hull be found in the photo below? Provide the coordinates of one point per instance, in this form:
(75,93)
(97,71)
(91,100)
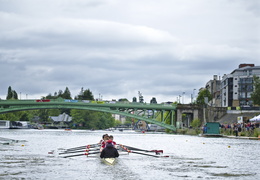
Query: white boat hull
(109,161)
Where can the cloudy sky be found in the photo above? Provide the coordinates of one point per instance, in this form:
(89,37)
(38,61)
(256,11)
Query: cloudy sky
(116,48)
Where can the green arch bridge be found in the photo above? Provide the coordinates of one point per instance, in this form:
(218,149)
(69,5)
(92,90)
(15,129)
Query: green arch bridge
(152,113)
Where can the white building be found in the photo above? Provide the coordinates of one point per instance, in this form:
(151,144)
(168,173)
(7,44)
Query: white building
(236,87)
(120,118)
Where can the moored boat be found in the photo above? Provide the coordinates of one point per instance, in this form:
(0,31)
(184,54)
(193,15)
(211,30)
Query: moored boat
(5,124)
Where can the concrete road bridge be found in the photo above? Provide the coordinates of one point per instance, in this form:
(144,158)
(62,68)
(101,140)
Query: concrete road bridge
(157,114)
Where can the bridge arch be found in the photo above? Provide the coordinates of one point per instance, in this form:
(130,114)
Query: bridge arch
(133,110)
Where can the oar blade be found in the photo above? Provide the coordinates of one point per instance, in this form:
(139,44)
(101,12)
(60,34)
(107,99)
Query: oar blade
(83,147)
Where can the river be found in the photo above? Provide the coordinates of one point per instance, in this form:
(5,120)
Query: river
(190,157)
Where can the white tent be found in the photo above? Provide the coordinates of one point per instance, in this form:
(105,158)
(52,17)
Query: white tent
(255,119)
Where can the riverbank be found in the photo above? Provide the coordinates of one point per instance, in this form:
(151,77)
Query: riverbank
(252,134)
(243,137)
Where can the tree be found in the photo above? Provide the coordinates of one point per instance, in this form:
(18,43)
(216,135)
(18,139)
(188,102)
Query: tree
(66,94)
(92,119)
(11,94)
(78,117)
(9,116)
(60,93)
(44,115)
(153,101)
(24,116)
(123,100)
(129,121)
(85,95)
(141,98)
(196,123)
(256,94)
(54,112)
(49,96)
(201,97)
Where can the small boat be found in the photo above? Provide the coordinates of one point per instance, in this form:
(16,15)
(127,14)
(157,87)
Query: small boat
(109,161)
(94,149)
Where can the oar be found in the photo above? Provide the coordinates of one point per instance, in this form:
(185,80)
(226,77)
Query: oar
(85,150)
(7,139)
(12,140)
(137,149)
(82,147)
(130,151)
(81,154)
(72,150)
(144,154)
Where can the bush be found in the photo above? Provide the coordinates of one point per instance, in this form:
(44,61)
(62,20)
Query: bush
(196,123)
(256,132)
(242,134)
(182,131)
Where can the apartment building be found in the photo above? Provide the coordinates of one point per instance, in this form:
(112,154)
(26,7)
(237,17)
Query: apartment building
(214,87)
(236,87)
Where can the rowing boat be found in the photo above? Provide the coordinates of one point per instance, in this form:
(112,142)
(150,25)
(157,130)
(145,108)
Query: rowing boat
(92,149)
(109,161)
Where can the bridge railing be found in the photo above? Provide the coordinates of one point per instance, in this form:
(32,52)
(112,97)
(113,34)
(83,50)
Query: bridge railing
(82,101)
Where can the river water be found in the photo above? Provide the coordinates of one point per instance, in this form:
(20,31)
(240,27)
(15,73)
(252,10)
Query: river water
(190,157)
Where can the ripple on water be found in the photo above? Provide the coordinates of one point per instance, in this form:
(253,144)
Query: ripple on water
(233,174)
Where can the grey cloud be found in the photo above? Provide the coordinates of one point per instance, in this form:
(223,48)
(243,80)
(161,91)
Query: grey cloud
(162,50)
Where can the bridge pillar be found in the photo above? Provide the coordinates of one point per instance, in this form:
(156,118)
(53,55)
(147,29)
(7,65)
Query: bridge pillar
(179,121)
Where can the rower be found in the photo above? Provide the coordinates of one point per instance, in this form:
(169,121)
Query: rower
(109,151)
(105,137)
(113,142)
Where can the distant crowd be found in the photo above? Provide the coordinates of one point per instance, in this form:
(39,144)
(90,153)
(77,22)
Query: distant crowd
(240,126)
(237,128)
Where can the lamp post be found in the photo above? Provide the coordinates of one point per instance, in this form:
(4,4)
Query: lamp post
(193,95)
(179,99)
(183,97)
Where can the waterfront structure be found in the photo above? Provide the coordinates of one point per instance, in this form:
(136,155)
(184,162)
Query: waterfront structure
(211,128)
(61,118)
(236,87)
(214,87)
(6,124)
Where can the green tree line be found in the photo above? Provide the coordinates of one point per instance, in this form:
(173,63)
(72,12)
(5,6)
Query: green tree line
(83,119)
